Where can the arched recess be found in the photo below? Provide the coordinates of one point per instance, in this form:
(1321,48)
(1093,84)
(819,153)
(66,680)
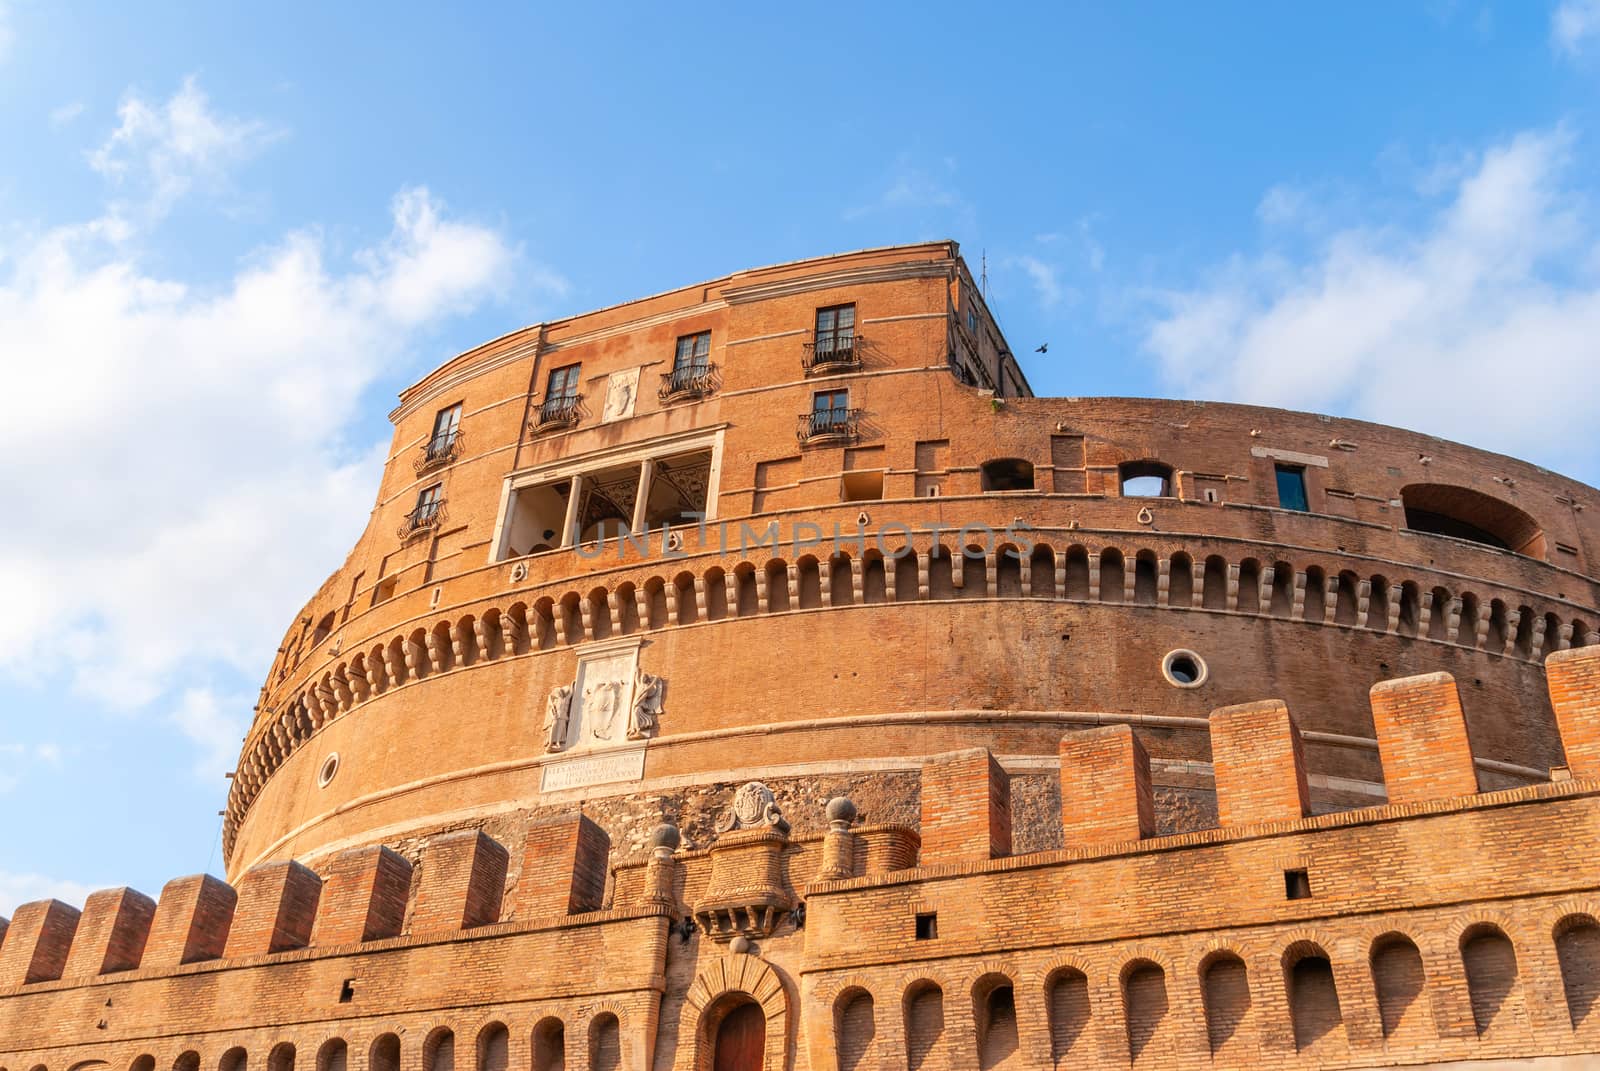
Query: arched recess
(1463,513)
(1225,992)
(188,1060)
(1144,1009)
(923,1008)
(384,1055)
(235,1059)
(1578,951)
(334,1055)
(855,1030)
(1066,1000)
(143,1063)
(550,1045)
(1399,980)
(994,1009)
(1490,963)
(605,1042)
(439,1050)
(281,1058)
(1314,1008)
(721,986)
(494,1047)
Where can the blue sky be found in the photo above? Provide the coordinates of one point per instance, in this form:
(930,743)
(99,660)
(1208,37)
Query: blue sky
(228,237)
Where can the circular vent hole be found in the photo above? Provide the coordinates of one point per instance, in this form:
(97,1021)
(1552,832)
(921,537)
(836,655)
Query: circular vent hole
(330,767)
(1184,669)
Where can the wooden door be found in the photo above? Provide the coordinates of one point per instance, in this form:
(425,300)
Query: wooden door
(741,1039)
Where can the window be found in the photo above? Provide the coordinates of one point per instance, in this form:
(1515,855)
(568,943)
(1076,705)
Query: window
(1296,885)
(1462,513)
(830,410)
(972,321)
(1007,474)
(1145,479)
(836,331)
(694,354)
(927,926)
(429,499)
(560,405)
(445,427)
(863,486)
(1292,488)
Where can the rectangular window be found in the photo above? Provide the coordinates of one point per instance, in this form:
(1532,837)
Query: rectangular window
(694,354)
(927,926)
(445,427)
(1292,488)
(836,330)
(562,384)
(428,501)
(829,409)
(1296,885)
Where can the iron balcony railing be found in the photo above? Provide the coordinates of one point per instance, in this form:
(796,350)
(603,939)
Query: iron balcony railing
(439,451)
(831,352)
(827,425)
(425,518)
(690,381)
(558,412)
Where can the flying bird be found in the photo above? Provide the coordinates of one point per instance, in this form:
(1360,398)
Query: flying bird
(1043,349)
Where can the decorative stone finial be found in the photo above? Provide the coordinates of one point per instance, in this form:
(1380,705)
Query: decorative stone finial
(742,945)
(666,836)
(841,812)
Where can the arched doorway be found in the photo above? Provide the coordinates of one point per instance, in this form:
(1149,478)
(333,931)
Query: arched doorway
(741,1039)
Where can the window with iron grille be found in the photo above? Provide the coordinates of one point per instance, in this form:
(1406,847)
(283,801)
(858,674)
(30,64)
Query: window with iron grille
(446,425)
(562,384)
(693,356)
(836,330)
(830,409)
(428,500)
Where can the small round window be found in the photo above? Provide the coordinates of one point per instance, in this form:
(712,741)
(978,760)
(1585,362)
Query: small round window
(1184,669)
(330,766)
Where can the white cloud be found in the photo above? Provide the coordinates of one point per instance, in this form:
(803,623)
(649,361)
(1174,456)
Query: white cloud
(66,113)
(1046,285)
(1478,324)
(17,889)
(1574,24)
(189,473)
(161,151)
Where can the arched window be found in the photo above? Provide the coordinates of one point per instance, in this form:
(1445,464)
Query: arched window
(1145,479)
(1007,474)
(187,1061)
(1225,987)
(1398,977)
(1462,513)
(1491,967)
(324,627)
(281,1058)
(235,1059)
(1066,996)
(143,1063)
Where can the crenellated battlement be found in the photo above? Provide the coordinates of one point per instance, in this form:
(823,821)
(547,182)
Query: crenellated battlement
(828,920)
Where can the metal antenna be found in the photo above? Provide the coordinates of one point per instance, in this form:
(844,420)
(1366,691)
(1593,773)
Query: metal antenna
(983,273)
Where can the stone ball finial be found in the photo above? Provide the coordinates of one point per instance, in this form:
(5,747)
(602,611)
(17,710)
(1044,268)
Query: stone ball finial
(743,945)
(666,836)
(841,812)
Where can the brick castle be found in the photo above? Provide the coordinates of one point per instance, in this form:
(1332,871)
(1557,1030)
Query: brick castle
(758,676)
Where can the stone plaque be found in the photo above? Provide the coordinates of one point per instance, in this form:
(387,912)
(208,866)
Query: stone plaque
(593,768)
(622,388)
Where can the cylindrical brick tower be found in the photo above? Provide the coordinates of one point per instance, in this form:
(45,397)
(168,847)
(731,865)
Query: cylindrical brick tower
(808,525)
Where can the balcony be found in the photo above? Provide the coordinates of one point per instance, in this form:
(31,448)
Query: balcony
(438,452)
(425,518)
(556,413)
(827,426)
(830,353)
(689,382)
